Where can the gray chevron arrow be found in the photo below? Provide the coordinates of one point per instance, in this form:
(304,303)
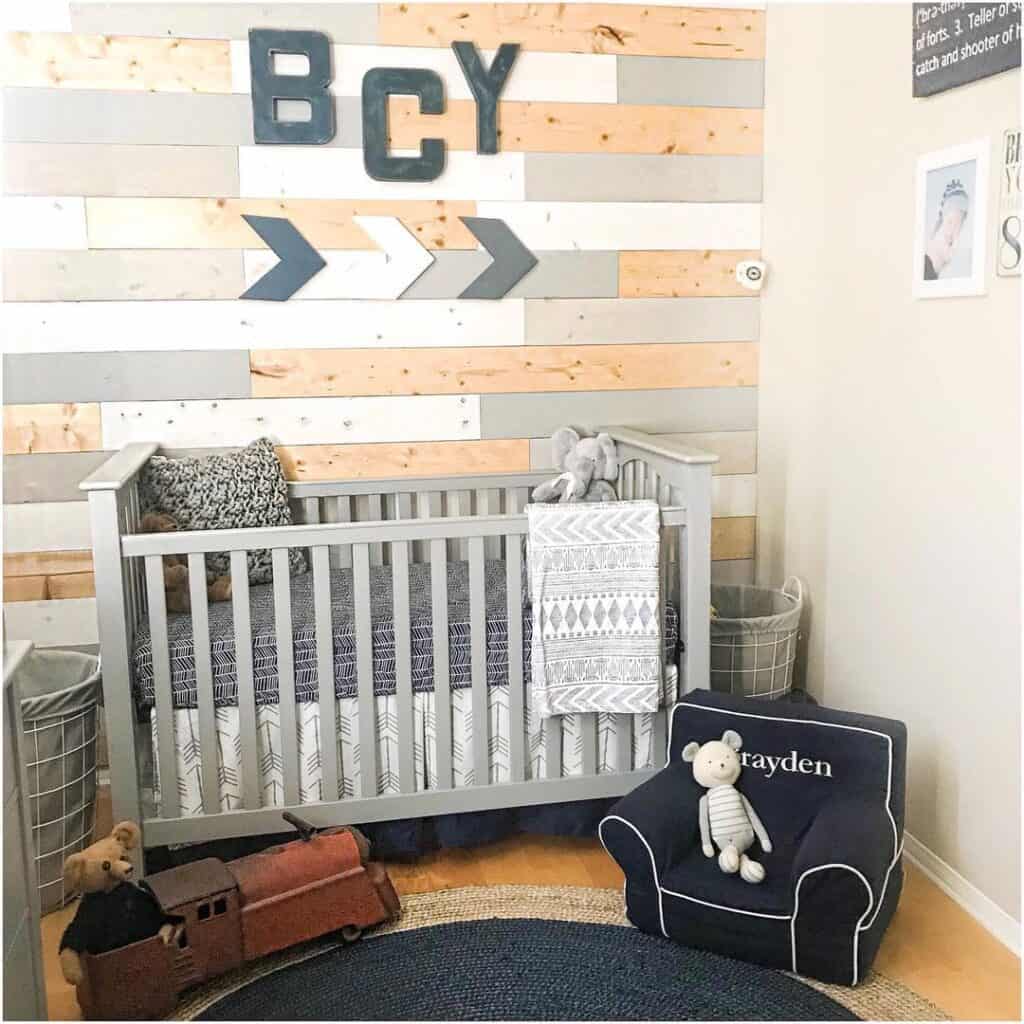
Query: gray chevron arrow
(299,260)
(512,260)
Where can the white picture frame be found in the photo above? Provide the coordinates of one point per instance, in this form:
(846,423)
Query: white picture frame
(949,250)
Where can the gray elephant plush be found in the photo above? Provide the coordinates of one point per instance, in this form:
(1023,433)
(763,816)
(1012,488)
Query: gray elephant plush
(589,466)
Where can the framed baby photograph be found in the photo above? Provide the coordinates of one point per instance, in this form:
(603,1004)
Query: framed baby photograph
(950,235)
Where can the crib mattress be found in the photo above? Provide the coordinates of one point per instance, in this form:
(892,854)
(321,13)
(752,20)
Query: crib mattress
(264,641)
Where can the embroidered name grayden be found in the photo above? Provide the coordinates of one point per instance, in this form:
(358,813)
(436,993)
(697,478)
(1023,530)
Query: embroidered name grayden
(791,762)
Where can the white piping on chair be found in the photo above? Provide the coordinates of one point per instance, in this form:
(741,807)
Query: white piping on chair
(896,844)
(856,931)
(650,853)
(731,910)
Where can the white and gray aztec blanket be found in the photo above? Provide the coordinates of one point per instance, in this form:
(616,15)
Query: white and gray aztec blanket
(596,607)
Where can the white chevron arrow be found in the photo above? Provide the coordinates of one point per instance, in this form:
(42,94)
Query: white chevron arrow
(382,273)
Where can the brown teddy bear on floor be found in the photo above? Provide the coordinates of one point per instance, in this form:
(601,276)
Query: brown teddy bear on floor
(218,588)
(113,912)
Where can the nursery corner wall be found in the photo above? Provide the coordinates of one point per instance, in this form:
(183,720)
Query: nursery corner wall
(630,162)
(889,445)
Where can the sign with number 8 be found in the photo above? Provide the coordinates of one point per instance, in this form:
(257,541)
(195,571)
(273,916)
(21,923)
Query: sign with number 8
(1008,240)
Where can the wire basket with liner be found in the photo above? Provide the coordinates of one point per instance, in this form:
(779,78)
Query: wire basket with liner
(754,637)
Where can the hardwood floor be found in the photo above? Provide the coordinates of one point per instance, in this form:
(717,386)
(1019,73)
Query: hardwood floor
(932,946)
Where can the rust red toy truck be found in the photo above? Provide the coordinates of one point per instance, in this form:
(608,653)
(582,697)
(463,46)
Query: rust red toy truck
(236,911)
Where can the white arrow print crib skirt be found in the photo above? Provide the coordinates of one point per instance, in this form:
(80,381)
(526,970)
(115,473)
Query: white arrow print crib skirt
(596,607)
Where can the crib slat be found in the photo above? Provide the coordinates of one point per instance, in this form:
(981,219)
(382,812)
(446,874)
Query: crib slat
(311,510)
(516,682)
(204,683)
(325,672)
(640,486)
(478,662)
(364,670)
(286,675)
(403,665)
(588,736)
(488,503)
(341,554)
(459,504)
(442,686)
(623,743)
(403,505)
(428,506)
(162,687)
(246,686)
(628,485)
(552,729)
(374,513)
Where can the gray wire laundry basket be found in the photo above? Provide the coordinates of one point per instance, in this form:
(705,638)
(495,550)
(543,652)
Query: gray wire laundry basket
(60,691)
(753,639)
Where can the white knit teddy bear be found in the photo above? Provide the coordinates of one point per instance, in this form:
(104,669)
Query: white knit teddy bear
(726,816)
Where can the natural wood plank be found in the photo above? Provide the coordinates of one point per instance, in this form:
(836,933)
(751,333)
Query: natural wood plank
(151,223)
(682,273)
(66,427)
(47,563)
(585,128)
(733,537)
(587,28)
(451,371)
(49,588)
(137,63)
(380,461)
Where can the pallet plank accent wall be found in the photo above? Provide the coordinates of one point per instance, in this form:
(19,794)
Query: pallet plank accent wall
(629,163)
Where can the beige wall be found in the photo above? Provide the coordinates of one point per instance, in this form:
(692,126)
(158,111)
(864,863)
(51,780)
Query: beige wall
(889,452)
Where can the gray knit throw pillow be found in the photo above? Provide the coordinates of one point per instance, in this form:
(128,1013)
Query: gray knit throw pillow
(222,492)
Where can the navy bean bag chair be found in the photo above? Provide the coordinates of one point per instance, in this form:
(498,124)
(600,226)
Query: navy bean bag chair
(829,787)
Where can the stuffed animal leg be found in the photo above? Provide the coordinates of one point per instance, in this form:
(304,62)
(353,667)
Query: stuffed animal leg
(727,818)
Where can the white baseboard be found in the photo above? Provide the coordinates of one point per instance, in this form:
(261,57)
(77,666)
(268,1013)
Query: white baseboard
(988,914)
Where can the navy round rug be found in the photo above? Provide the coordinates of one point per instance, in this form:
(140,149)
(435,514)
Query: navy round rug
(523,970)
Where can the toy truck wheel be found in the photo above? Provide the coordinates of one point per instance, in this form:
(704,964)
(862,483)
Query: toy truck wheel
(351,933)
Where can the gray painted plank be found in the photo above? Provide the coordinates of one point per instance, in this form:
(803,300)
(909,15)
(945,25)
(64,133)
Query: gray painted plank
(691,81)
(342,23)
(557,275)
(29,478)
(68,169)
(147,118)
(736,450)
(36,275)
(639,321)
(735,570)
(285,674)
(657,412)
(252,794)
(605,177)
(124,376)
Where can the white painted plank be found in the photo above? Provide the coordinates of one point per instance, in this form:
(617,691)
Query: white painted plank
(312,172)
(292,421)
(47,526)
(630,225)
(238,324)
(43,222)
(52,623)
(734,495)
(37,16)
(563,77)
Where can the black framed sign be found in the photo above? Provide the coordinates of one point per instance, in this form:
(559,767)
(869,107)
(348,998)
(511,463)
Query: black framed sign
(957,43)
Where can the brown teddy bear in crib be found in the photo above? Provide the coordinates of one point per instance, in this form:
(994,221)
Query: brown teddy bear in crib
(218,588)
(113,911)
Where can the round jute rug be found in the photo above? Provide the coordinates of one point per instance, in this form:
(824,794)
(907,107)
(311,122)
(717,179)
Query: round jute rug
(528,953)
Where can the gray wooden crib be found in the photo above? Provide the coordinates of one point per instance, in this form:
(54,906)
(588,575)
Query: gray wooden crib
(370,532)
